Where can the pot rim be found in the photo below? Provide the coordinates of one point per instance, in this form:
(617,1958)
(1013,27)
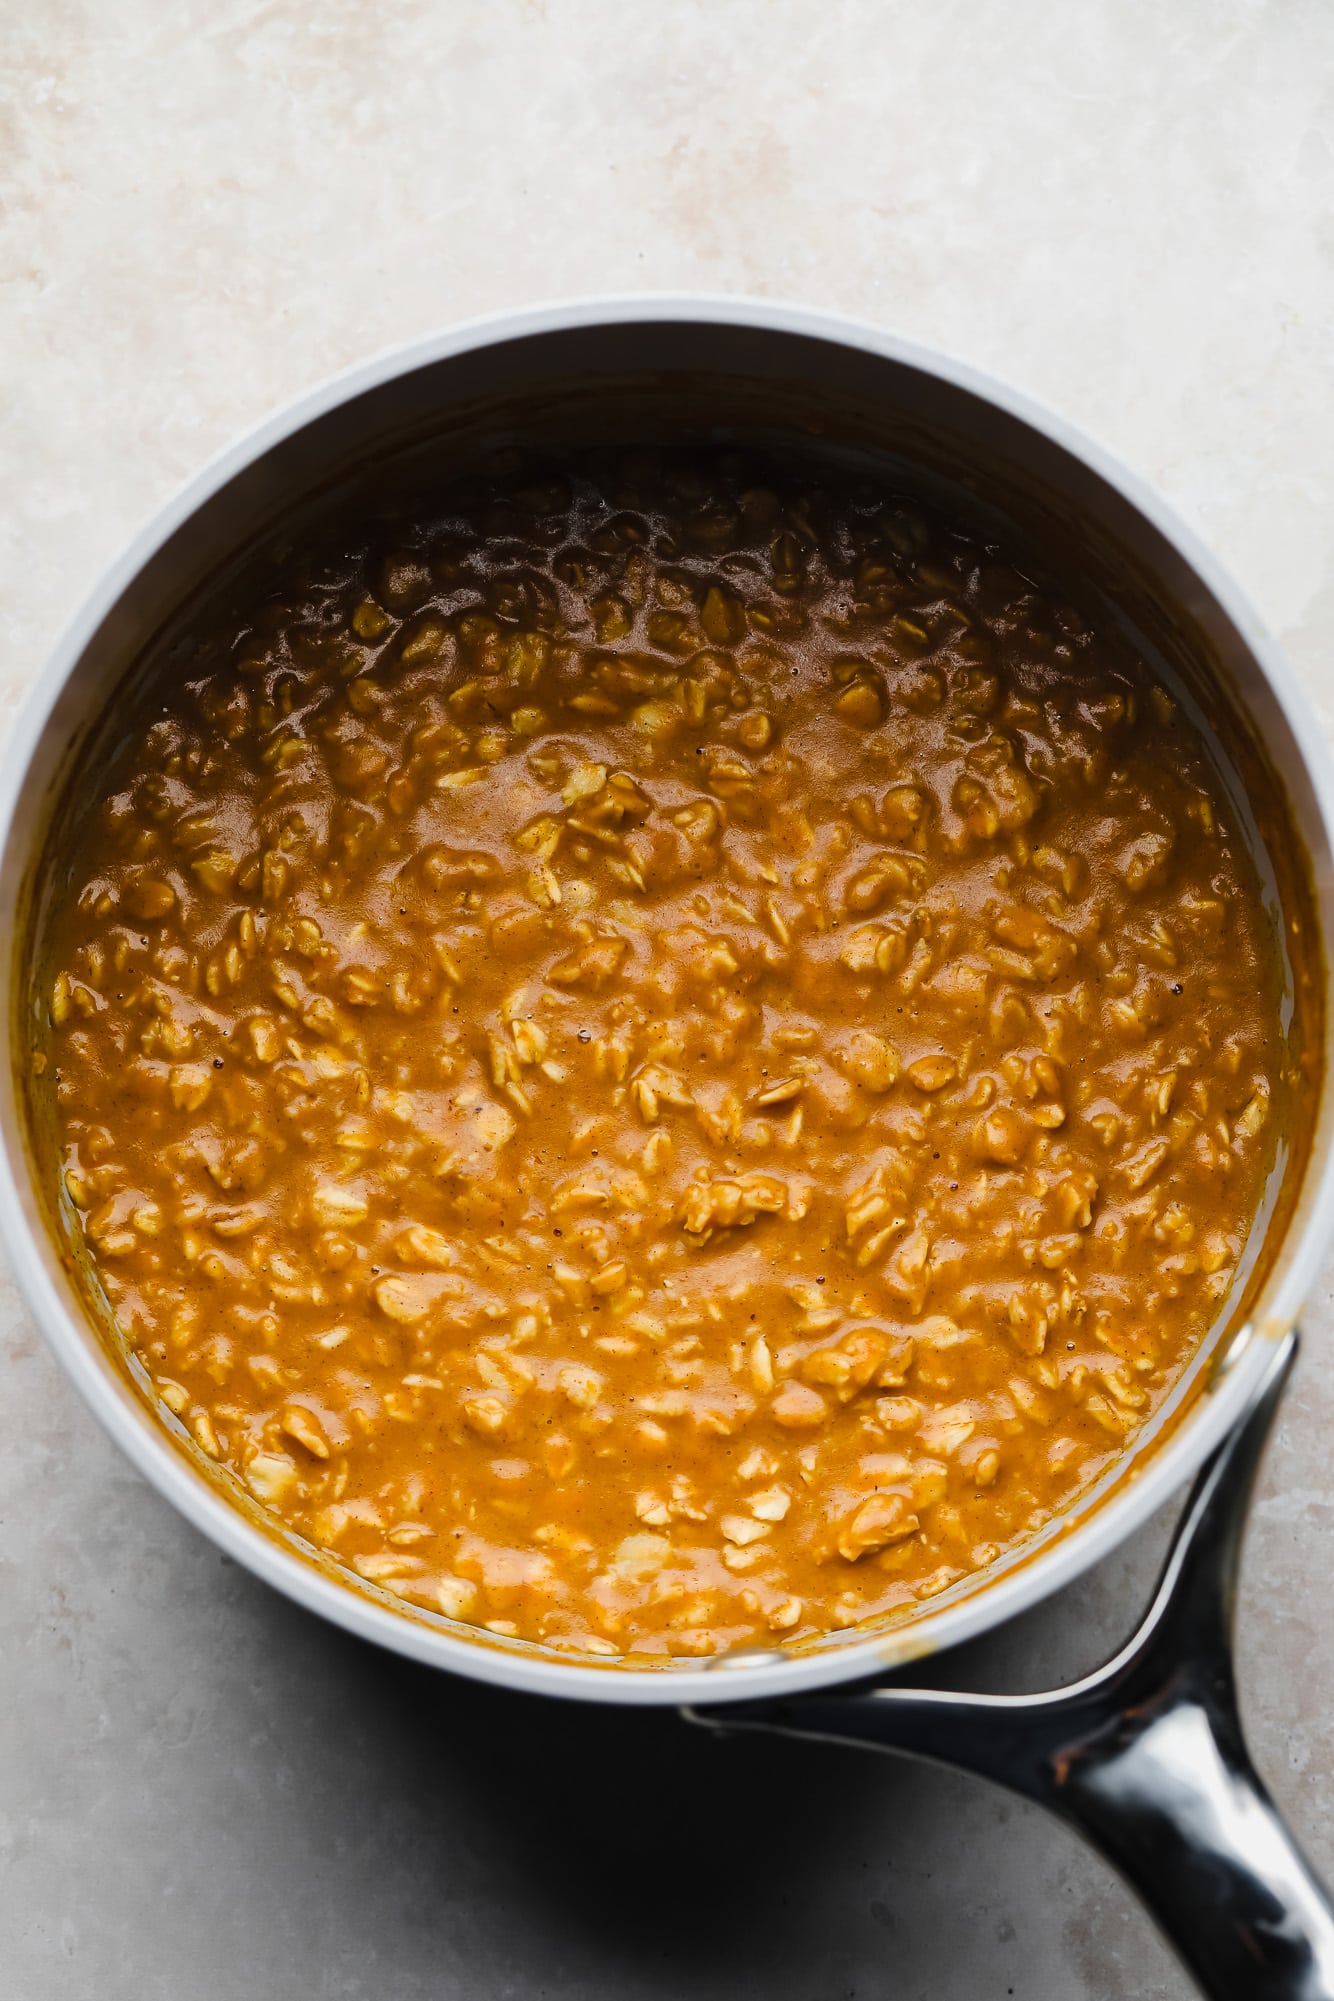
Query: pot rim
(144,1440)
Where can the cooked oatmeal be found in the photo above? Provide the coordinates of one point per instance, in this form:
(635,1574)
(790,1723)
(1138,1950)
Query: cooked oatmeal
(663,1060)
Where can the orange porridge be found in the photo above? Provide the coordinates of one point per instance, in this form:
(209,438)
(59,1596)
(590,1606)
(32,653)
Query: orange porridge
(664,1060)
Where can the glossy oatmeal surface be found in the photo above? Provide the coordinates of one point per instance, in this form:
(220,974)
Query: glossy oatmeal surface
(665,1057)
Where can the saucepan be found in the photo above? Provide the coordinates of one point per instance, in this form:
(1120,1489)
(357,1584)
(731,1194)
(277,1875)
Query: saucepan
(1145,1757)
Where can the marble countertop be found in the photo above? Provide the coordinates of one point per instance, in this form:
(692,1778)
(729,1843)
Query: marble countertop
(207,205)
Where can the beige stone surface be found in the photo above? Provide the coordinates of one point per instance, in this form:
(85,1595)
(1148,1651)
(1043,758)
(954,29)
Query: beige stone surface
(206,205)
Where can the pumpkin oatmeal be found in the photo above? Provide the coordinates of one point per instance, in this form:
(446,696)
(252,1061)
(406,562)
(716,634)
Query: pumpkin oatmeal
(664,1058)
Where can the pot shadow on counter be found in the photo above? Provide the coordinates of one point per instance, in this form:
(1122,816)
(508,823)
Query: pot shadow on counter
(498,1844)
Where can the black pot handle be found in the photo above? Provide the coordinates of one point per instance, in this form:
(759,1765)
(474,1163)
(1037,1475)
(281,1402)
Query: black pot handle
(1145,1758)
